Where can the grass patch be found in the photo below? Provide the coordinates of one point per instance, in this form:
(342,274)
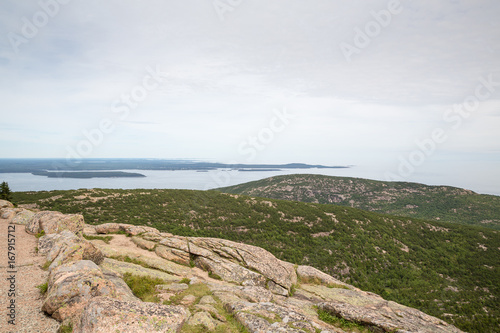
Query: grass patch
(192,257)
(336,285)
(120,232)
(341,322)
(105,239)
(46,265)
(68,328)
(40,234)
(185,280)
(292,291)
(214,276)
(230,326)
(143,287)
(198,290)
(43,288)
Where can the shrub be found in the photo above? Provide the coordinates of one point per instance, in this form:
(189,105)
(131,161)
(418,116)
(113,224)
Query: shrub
(43,288)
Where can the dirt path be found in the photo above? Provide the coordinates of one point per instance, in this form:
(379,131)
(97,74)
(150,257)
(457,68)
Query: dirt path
(28,275)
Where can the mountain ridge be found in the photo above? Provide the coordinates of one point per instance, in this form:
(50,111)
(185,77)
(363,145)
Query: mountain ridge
(439,203)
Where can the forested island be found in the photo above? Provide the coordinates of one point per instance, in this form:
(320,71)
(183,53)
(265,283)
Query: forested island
(88,174)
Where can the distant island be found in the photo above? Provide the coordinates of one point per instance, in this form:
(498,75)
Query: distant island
(88,174)
(42,167)
(259,169)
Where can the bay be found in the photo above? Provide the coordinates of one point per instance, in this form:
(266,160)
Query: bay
(195,180)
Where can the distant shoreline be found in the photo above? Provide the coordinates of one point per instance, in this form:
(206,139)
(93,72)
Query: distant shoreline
(61,166)
(88,174)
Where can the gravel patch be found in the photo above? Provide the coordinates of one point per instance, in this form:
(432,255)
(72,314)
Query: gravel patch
(28,300)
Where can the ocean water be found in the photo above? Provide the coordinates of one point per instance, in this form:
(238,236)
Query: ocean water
(472,178)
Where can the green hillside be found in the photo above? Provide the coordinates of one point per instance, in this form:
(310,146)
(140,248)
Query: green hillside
(446,270)
(438,203)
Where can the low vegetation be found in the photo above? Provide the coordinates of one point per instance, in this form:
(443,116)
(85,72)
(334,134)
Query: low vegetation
(438,203)
(46,265)
(341,322)
(105,239)
(43,288)
(66,328)
(447,270)
(143,287)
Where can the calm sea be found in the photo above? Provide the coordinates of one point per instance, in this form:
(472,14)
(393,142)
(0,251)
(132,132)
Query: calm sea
(193,180)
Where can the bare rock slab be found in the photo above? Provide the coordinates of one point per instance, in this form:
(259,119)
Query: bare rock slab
(388,317)
(103,314)
(72,285)
(253,257)
(55,222)
(6,204)
(131,230)
(309,274)
(16,215)
(65,247)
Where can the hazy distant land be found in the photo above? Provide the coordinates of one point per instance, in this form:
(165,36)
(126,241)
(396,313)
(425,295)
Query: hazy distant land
(88,174)
(47,165)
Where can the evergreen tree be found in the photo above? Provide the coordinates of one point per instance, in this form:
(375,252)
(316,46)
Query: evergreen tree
(5,193)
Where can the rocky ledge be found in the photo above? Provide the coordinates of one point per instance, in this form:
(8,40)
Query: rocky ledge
(206,284)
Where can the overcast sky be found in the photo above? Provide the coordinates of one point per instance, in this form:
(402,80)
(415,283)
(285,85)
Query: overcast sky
(322,81)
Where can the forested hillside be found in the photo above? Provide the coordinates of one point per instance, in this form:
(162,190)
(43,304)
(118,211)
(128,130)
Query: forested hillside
(447,270)
(438,203)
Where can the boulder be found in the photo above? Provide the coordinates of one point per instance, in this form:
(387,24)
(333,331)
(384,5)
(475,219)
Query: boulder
(103,314)
(269,317)
(207,299)
(89,229)
(123,291)
(252,322)
(71,286)
(46,242)
(65,247)
(16,215)
(108,228)
(8,213)
(24,216)
(6,204)
(204,319)
(54,222)
(212,310)
(188,300)
(134,230)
